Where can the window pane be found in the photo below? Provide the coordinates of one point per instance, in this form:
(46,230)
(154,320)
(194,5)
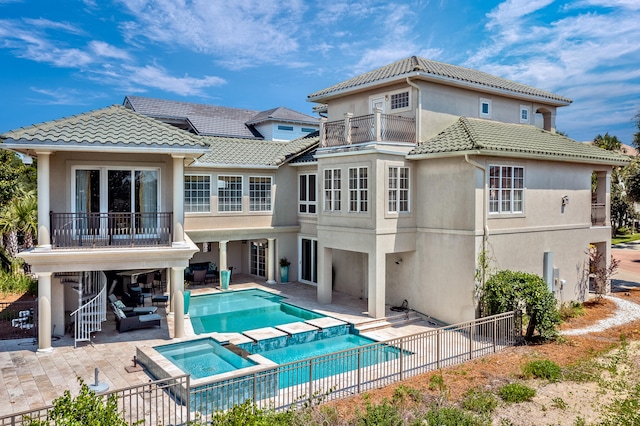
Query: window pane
(197,194)
(259,194)
(229,193)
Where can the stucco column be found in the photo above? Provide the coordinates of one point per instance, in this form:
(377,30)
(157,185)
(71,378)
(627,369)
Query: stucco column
(377,265)
(44,207)
(223,255)
(57,300)
(44,312)
(325,260)
(170,289)
(271,260)
(178,198)
(177,297)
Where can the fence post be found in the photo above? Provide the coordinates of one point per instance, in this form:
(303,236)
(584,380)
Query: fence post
(438,342)
(310,378)
(255,388)
(359,368)
(347,128)
(495,331)
(401,359)
(188,398)
(471,327)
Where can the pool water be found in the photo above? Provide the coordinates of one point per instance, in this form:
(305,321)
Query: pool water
(203,358)
(243,310)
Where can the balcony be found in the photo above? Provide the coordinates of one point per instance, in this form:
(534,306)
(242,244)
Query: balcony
(376,127)
(598,214)
(100,230)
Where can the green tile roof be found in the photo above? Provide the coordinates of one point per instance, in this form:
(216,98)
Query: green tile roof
(426,68)
(472,135)
(234,152)
(114,127)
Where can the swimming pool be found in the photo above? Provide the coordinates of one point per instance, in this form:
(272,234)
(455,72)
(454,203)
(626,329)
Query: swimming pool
(203,358)
(243,310)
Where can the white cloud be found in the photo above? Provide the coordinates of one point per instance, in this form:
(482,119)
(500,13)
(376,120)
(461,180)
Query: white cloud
(239,33)
(509,12)
(129,77)
(106,50)
(63,96)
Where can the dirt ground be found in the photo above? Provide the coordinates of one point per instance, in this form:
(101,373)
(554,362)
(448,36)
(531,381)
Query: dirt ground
(576,400)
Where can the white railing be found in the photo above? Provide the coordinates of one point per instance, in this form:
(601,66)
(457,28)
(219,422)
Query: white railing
(376,127)
(89,317)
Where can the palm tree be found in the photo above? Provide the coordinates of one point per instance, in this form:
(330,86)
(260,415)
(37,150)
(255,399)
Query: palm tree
(608,142)
(19,215)
(25,210)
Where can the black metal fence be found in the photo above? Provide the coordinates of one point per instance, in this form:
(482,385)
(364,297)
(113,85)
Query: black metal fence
(18,320)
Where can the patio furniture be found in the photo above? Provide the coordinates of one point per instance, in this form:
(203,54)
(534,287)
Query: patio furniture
(212,276)
(156,300)
(199,276)
(133,296)
(125,323)
(128,310)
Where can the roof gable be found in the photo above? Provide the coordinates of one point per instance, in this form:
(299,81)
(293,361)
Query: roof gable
(445,73)
(477,136)
(282,114)
(114,127)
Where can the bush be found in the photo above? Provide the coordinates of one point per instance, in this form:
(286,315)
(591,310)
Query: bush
(436,382)
(512,291)
(450,416)
(570,310)
(85,409)
(17,283)
(478,401)
(542,369)
(382,414)
(516,392)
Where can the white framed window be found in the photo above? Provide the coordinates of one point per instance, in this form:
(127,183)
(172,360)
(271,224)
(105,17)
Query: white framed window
(358,189)
(229,193)
(332,186)
(485,107)
(506,189)
(260,193)
(307,193)
(197,193)
(524,114)
(398,189)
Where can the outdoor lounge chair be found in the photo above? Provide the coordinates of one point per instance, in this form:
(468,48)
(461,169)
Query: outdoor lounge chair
(128,310)
(199,276)
(125,323)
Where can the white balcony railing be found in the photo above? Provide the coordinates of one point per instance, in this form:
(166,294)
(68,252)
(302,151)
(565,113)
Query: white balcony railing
(376,127)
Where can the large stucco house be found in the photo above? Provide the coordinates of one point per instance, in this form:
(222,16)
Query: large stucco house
(418,168)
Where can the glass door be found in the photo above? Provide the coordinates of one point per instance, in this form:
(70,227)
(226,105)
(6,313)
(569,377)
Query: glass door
(258,259)
(309,260)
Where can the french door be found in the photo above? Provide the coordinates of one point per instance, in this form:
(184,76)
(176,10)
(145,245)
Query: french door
(308,260)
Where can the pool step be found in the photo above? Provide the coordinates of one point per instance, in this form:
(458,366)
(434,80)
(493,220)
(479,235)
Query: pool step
(402,318)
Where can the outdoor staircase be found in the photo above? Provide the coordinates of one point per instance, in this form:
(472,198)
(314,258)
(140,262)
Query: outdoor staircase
(91,288)
(399,319)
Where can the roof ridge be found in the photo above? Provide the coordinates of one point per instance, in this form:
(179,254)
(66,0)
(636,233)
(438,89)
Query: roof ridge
(470,131)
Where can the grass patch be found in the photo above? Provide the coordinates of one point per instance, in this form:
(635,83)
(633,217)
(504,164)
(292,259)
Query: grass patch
(479,401)
(618,239)
(516,392)
(542,369)
(570,310)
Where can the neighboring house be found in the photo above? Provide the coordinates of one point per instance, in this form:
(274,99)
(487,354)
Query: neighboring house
(418,168)
(276,124)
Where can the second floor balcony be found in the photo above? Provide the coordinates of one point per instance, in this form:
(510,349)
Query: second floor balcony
(598,214)
(100,230)
(376,127)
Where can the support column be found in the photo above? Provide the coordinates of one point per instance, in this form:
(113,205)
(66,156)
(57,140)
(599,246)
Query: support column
(44,207)
(57,314)
(177,297)
(170,289)
(178,199)
(377,265)
(44,312)
(223,255)
(325,284)
(271,260)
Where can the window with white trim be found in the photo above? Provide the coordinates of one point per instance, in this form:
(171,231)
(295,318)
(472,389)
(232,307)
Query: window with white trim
(400,100)
(259,193)
(524,114)
(398,189)
(197,193)
(332,186)
(307,193)
(358,189)
(485,107)
(506,189)
(229,193)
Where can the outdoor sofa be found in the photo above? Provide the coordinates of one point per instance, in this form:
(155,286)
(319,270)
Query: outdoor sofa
(125,323)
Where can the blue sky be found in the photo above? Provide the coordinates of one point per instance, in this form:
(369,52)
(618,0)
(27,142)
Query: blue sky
(65,57)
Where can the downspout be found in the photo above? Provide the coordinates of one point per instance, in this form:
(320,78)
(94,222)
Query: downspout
(485,189)
(418,111)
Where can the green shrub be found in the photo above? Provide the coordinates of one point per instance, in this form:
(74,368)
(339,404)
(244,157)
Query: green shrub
(85,409)
(449,416)
(403,393)
(511,291)
(479,401)
(382,414)
(542,369)
(436,382)
(516,392)
(17,283)
(570,310)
